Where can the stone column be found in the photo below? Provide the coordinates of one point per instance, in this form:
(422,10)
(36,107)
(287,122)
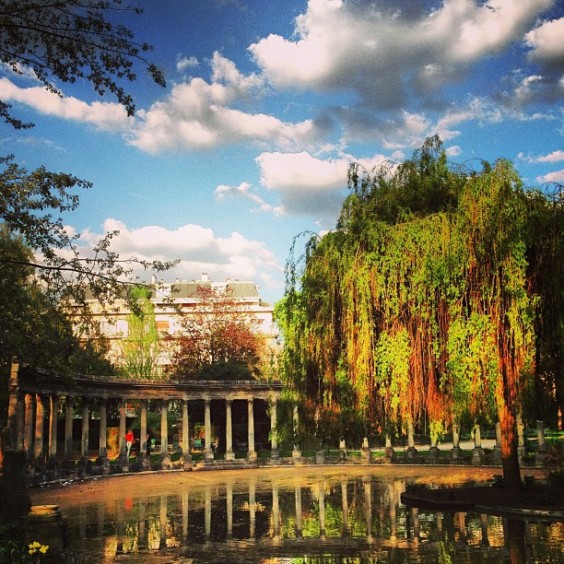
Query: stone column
(122,425)
(229,454)
(520,438)
(143,458)
(12,422)
(20,422)
(274,452)
(165,456)
(478,452)
(186,456)
(68,427)
(208,452)
(455,439)
(103,438)
(388,449)
(123,459)
(85,439)
(28,432)
(497,448)
(143,429)
(251,455)
(411,450)
(39,427)
(541,444)
(53,412)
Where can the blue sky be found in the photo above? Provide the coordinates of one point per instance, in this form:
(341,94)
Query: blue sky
(266,105)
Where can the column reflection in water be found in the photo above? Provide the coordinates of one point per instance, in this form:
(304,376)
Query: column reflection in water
(367,483)
(345,507)
(119,527)
(321,493)
(252,509)
(208,511)
(275,513)
(184,500)
(142,532)
(229,507)
(304,511)
(163,520)
(298,495)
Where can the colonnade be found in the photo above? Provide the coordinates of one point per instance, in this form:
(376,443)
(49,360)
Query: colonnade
(35,395)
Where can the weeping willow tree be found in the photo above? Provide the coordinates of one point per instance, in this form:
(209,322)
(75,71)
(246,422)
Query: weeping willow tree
(419,303)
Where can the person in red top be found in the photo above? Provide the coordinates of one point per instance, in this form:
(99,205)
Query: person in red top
(129,438)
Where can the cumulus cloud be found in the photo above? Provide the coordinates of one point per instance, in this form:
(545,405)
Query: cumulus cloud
(204,115)
(547,46)
(388,53)
(185,63)
(556,176)
(244,191)
(198,248)
(554,157)
(308,185)
(107,116)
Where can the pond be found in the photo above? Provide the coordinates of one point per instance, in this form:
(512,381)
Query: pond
(287,515)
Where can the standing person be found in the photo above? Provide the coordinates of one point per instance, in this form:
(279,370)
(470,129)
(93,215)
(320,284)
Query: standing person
(129,438)
(148,443)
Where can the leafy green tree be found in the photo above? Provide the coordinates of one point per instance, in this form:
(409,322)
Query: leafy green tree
(424,302)
(33,327)
(141,349)
(63,41)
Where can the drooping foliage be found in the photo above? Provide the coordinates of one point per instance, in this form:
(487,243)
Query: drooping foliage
(420,303)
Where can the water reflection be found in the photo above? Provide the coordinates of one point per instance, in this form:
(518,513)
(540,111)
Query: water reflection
(329,519)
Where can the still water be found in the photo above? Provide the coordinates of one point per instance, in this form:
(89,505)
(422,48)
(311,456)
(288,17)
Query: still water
(288,516)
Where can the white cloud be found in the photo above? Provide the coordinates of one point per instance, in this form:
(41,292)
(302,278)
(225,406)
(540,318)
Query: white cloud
(308,185)
(198,248)
(387,53)
(184,63)
(201,115)
(104,115)
(556,176)
(547,45)
(554,157)
(244,190)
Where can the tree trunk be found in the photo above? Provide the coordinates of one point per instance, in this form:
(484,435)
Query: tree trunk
(509,453)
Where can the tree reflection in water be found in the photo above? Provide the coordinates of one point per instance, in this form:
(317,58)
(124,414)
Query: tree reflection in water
(324,519)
